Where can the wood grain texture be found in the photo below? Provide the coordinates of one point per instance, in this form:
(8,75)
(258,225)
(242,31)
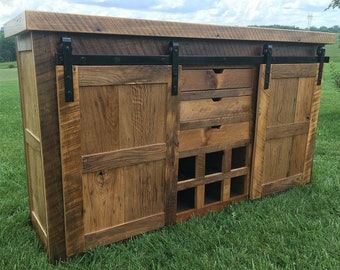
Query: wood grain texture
(39,229)
(128,137)
(121,195)
(287,130)
(201,79)
(285,112)
(209,109)
(260,136)
(314,113)
(221,93)
(217,206)
(116,75)
(202,137)
(37,186)
(213,148)
(32,140)
(58,22)
(29,93)
(201,181)
(124,157)
(281,184)
(49,129)
(216,122)
(282,71)
(70,148)
(172,152)
(34,158)
(124,231)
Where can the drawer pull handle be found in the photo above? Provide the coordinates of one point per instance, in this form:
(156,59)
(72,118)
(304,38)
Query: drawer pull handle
(218,70)
(216,99)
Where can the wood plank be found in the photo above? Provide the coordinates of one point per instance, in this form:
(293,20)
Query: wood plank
(281,184)
(99,108)
(239,172)
(281,112)
(316,98)
(234,119)
(220,93)
(144,190)
(70,147)
(103,202)
(37,185)
(48,114)
(213,148)
(59,22)
(217,206)
(226,167)
(39,228)
(142,113)
(172,152)
(200,79)
(282,104)
(124,231)
(260,136)
(287,130)
(199,173)
(116,75)
(32,140)
(208,108)
(123,157)
(201,181)
(28,84)
(16,25)
(201,137)
(24,42)
(281,71)
(302,113)
(276,159)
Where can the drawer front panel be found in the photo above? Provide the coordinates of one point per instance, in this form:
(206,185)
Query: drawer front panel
(193,110)
(204,79)
(201,137)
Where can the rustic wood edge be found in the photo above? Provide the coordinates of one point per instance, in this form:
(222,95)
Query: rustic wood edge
(61,22)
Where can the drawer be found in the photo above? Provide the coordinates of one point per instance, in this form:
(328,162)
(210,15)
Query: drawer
(208,136)
(205,79)
(212,108)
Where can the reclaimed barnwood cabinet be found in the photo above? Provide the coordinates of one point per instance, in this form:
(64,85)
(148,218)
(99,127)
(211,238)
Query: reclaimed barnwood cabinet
(125,133)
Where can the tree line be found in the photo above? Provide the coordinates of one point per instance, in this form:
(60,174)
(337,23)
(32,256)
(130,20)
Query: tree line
(7,48)
(333,29)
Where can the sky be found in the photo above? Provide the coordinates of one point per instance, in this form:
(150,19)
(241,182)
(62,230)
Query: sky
(222,12)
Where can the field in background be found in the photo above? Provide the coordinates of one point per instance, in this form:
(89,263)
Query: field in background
(297,229)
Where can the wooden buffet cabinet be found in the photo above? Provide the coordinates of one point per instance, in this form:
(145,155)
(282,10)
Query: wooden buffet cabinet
(131,125)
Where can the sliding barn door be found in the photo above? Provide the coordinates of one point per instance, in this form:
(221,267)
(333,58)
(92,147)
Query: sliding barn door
(118,141)
(285,128)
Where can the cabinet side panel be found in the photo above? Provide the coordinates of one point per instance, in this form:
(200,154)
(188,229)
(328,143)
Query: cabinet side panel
(35,175)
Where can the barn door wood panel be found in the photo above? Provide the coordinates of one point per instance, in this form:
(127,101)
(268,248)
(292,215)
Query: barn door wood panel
(118,147)
(285,128)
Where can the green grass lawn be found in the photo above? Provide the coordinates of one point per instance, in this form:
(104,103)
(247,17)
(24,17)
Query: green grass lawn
(297,229)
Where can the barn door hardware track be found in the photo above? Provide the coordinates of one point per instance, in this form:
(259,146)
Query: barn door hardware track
(67,59)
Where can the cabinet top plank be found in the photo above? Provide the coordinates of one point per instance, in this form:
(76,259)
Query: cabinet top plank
(74,23)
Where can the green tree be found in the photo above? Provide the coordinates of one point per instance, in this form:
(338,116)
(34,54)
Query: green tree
(7,48)
(334,4)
